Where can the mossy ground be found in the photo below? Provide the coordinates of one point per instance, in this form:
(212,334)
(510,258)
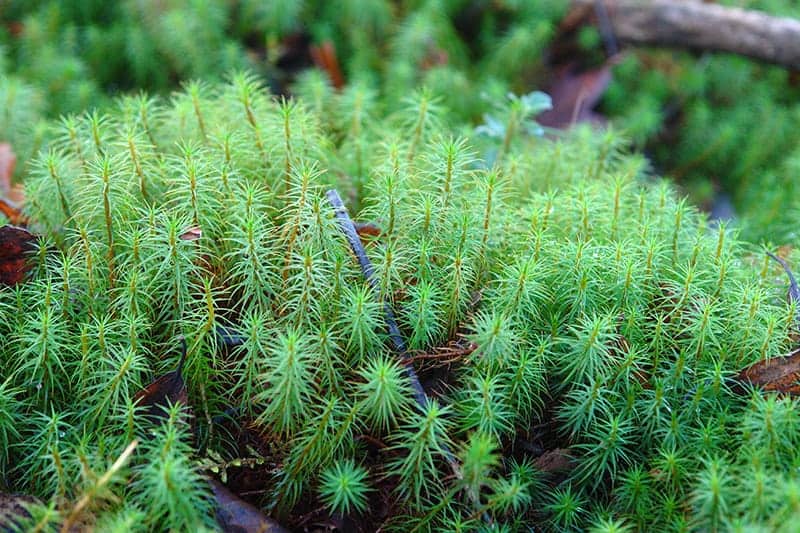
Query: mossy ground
(560,301)
(577,325)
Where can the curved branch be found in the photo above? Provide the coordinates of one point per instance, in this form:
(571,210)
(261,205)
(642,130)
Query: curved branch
(696,25)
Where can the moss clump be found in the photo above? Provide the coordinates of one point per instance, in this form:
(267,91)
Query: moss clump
(722,126)
(559,299)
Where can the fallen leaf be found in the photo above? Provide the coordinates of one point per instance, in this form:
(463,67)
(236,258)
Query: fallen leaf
(779,374)
(234,515)
(12,212)
(191,234)
(168,389)
(367,229)
(15,246)
(575,94)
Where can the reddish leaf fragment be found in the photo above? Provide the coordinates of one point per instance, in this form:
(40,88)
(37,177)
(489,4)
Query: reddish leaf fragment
(191,234)
(780,374)
(168,389)
(13,212)
(234,515)
(15,245)
(13,509)
(367,229)
(434,57)
(324,57)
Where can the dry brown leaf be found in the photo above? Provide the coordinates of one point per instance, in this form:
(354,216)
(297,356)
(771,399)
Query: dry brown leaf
(235,515)
(15,246)
(367,229)
(779,374)
(557,460)
(575,94)
(167,390)
(12,211)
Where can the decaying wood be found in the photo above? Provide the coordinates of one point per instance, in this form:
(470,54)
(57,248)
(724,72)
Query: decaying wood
(703,26)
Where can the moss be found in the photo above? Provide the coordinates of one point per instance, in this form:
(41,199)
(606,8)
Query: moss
(721,126)
(560,298)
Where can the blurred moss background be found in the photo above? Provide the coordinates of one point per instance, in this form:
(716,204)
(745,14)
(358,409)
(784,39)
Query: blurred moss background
(721,126)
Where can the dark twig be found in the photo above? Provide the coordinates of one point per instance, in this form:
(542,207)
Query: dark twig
(229,337)
(606,28)
(349,230)
(794,290)
(375,442)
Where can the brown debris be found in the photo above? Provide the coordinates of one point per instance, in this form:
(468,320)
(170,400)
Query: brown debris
(779,374)
(13,212)
(575,94)
(324,57)
(367,229)
(235,515)
(15,245)
(555,461)
(455,351)
(168,389)
(191,234)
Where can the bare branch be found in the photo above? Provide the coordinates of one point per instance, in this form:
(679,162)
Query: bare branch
(697,25)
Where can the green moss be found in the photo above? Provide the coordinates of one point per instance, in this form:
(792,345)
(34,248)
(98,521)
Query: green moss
(599,306)
(716,124)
